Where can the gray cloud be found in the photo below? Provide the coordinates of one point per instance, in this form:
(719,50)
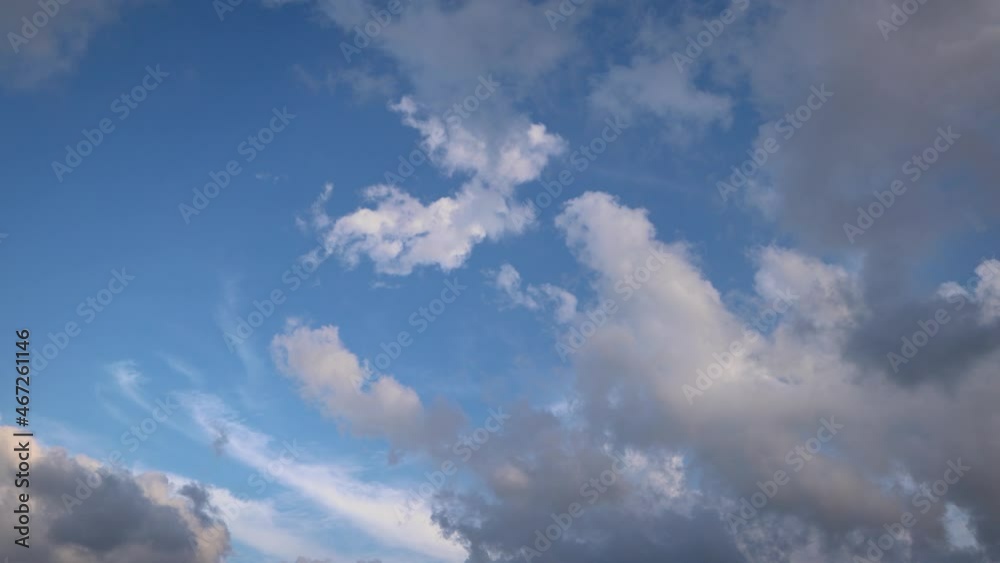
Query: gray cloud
(44,52)
(894,92)
(891,97)
(119,518)
(694,462)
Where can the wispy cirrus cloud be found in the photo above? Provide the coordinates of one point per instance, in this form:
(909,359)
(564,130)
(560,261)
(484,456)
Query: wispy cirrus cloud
(369,507)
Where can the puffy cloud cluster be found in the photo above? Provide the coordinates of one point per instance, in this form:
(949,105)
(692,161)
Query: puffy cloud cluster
(782,387)
(765,390)
(752,431)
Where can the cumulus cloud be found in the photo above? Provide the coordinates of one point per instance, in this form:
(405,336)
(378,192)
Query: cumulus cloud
(375,406)
(84,513)
(905,86)
(445,52)
(703,400)
(768,396)
(400,233)
(714,402)
(707,399)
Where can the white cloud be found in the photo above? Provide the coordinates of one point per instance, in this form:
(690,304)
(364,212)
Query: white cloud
(262,526)
(983,290)
(401,233)
(331,375)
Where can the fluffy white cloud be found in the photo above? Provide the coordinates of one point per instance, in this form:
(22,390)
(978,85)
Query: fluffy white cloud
(983,291)
(400,233)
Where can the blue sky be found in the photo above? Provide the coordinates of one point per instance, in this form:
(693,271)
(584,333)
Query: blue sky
(480,296)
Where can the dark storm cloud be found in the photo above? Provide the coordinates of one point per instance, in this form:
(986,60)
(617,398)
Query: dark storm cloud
(913,346)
